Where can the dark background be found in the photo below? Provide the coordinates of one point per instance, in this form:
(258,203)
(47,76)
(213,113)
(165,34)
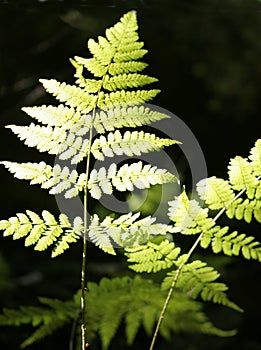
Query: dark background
(206,55)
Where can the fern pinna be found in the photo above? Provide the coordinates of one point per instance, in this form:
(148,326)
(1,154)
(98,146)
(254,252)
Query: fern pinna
(112,99)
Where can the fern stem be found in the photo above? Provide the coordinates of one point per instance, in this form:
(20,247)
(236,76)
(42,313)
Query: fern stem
(175,279)
(84,251)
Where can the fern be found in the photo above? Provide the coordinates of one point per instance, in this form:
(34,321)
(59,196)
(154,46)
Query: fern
(43,232)
(255,158)
(137,302)
(125,231)
(53,314)
(142,297)
(119,117)
(126,178)
(190,218)
(197,279)
(217,193)
(244,175)
(108,100)
(129,144)
(156,255)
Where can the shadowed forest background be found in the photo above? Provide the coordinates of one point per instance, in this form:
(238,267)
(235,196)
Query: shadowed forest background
(206,55)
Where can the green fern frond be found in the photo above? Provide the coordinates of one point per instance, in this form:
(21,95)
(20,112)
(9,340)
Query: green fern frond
(120,45)
(245,209)
(131,143)
(60,180)
(54,116)
(198,279)
(188,216)
(241,176)
(72,95)
(43,232)
(244,176)
(56,179)
(255,158)
(125,231)
(128,176)
(126,67)
(131,117)
(125,295)
(48,320)
(124,81)
(125,98)
(38,173)
(145,298)
(44,138)
(152,256)
(216,193)
(55,140)
(231,243)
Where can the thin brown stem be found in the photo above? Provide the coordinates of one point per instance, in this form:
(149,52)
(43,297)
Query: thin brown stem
(84,251)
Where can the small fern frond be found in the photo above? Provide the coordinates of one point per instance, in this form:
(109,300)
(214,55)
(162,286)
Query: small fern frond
(198,279)
(231,243)
(125,231)
(144,298)
(126,295)
(255,158)
(120,46)
(56,179)
(125,98)
(126,67)
(38,173)
(43,232)
(131,143)
(55,140)
(241,176)
(188,216)
(124,81)
(130,117)
(47,319)
(216,193)
(72,95)
(246,209)
(44,138)
(154,256)
(128,176)
(54,116)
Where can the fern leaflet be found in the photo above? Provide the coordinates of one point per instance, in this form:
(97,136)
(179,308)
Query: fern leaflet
(131,143)
(196,279)
(48,320)
(125,231)
(128,176)
(157,254)
(43,232)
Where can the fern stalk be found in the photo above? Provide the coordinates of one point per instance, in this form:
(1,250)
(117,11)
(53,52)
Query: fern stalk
(84,251)
(84,344)
(177,274)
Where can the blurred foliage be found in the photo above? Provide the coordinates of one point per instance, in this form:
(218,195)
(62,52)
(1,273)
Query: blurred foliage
(206,54)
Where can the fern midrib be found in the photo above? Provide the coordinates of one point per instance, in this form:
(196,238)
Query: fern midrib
(85,229)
